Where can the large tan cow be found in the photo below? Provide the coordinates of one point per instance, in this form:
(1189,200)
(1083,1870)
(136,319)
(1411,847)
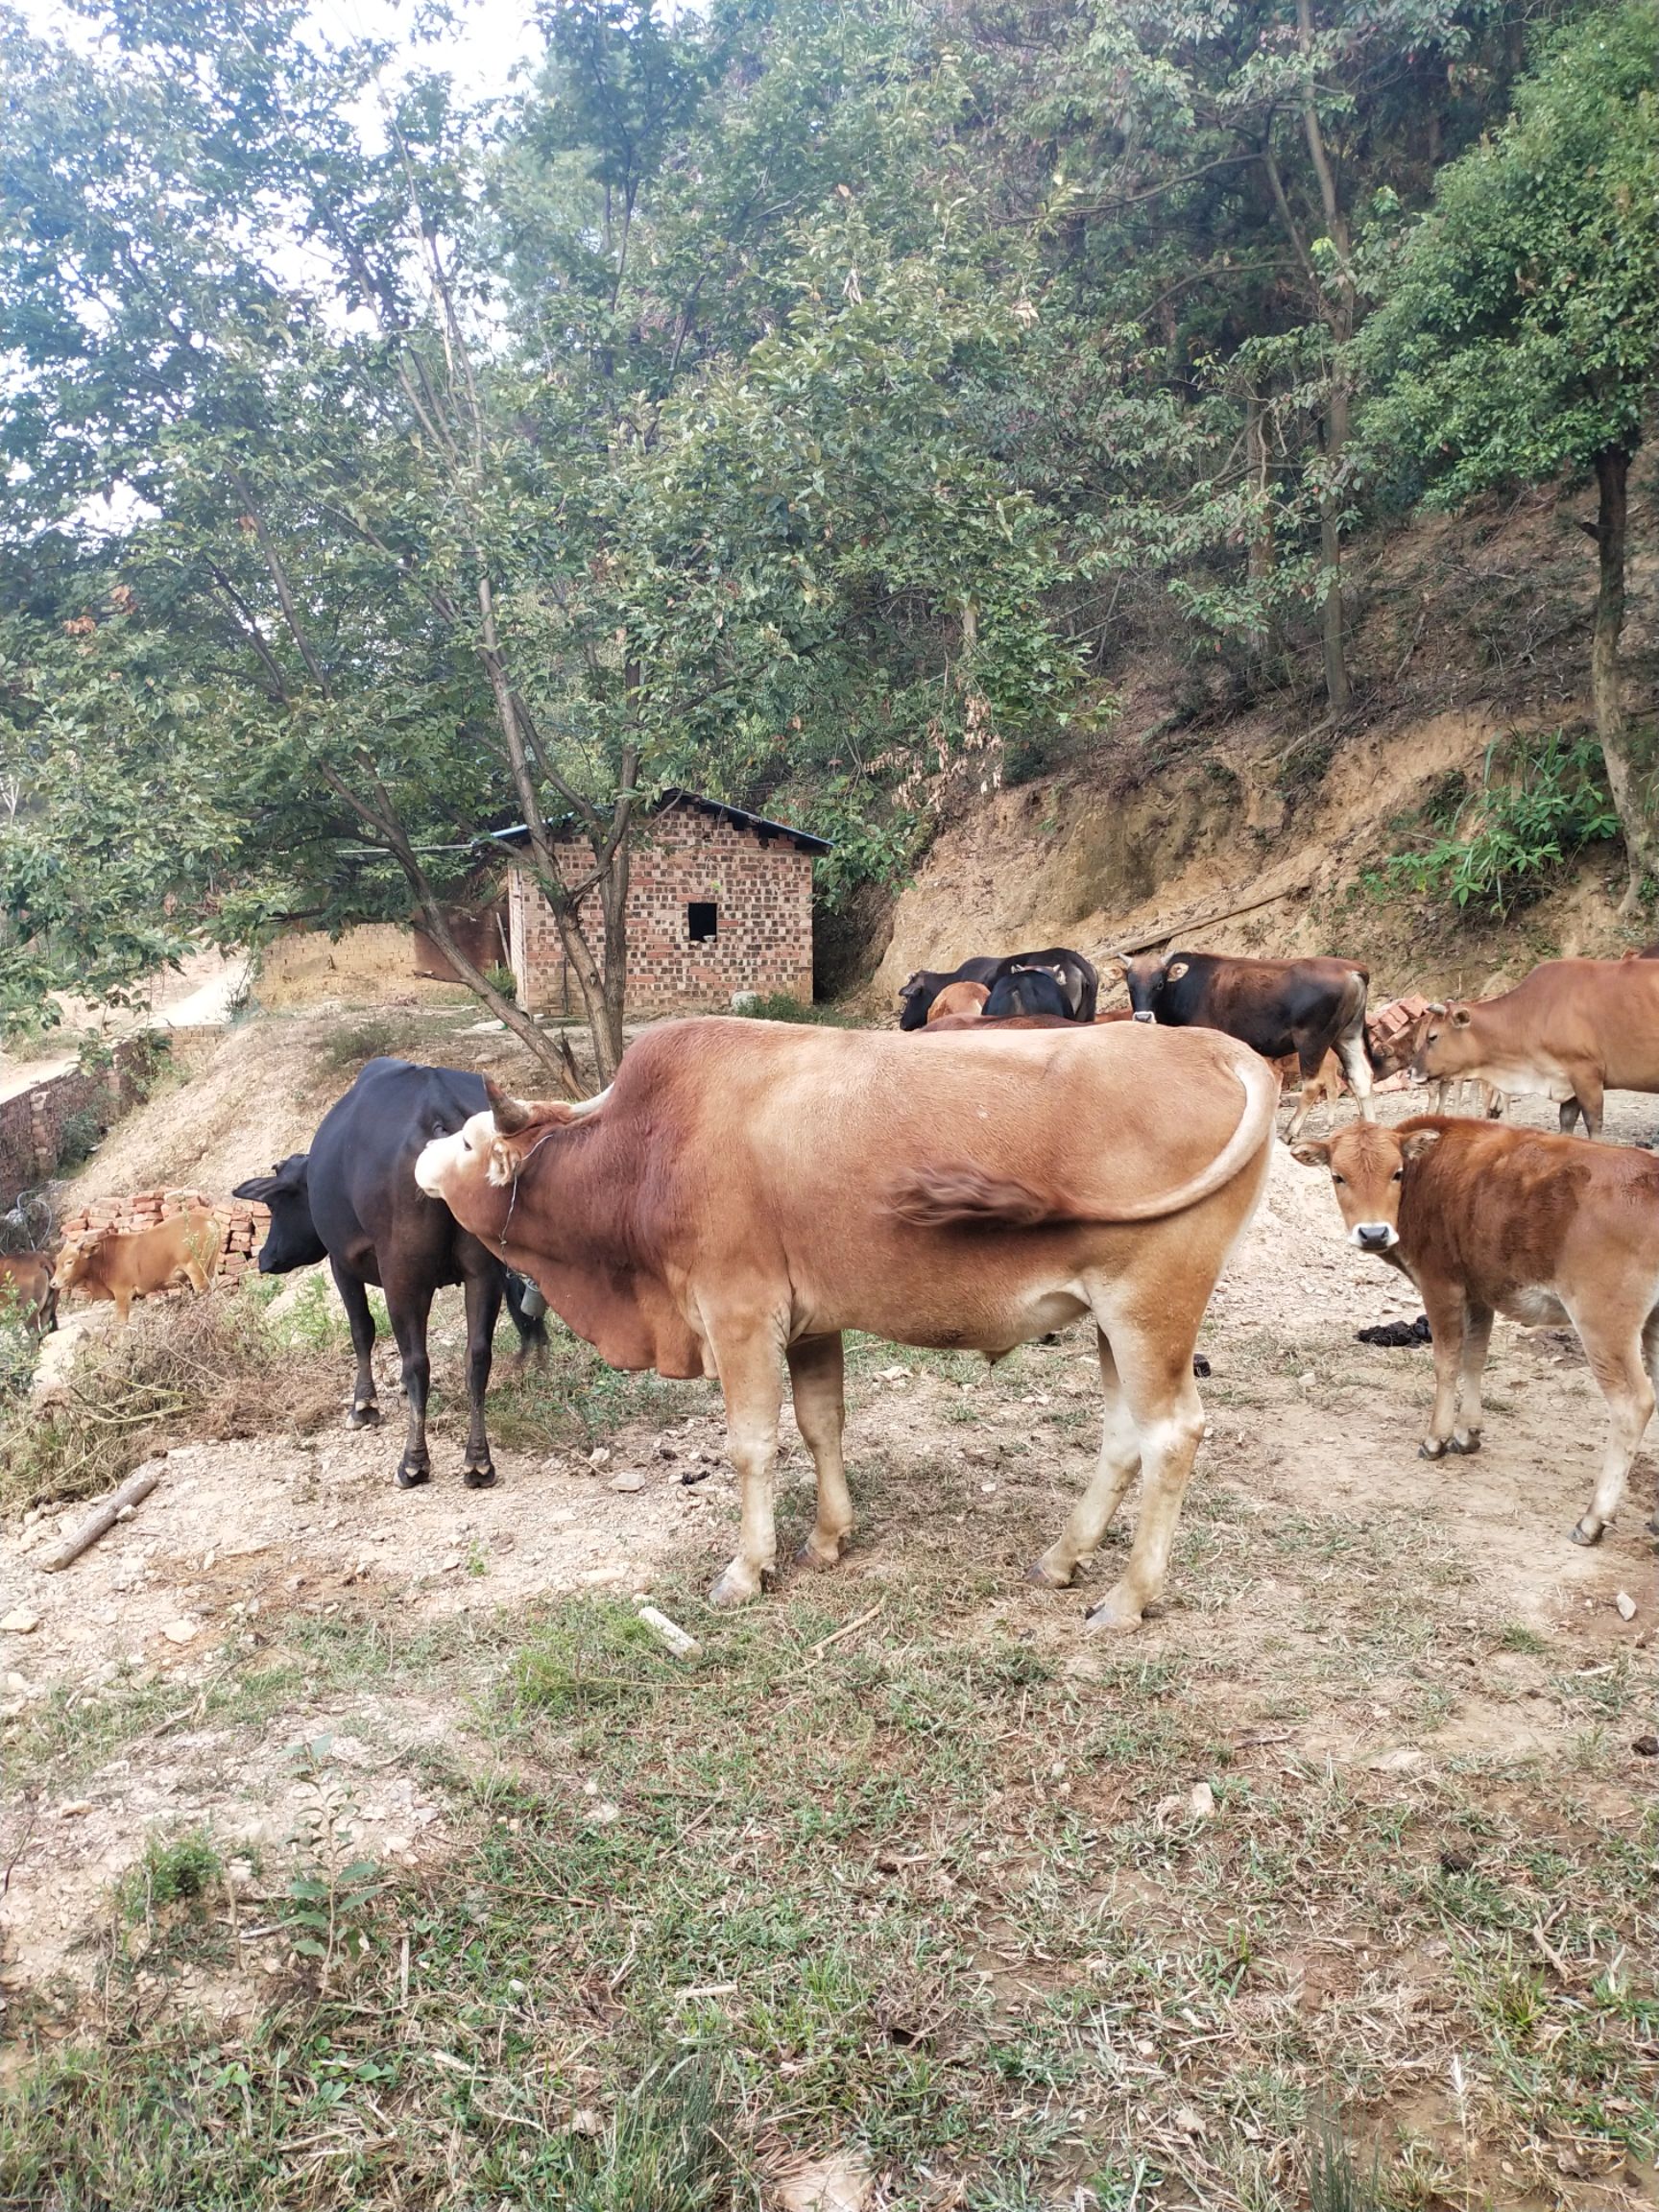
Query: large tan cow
(137,1263)
(1489,1221)
(1572,1030)
(747,1190)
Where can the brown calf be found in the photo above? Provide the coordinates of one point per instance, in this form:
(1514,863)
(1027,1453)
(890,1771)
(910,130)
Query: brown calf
(123,1266)
(966,999)
(25,1287)
(1489,1221)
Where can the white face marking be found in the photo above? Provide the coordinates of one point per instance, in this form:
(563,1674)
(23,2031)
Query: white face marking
(440,1159)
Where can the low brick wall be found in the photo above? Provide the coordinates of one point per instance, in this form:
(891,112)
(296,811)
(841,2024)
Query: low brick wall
(242,1227)
(32,1125)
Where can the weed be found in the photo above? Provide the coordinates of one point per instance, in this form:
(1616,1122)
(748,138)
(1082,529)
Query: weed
(177,1870)
(784,1006)
(1535,808)
(326,1904)
(666,2146)
(1334,2184)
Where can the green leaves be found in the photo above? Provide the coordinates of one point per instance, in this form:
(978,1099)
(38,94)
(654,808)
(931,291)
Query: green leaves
(1522,334)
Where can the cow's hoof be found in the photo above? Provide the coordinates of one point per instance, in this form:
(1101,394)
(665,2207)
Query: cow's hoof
(1586,1536)
(479,1477)
(411,1477)
(1430,1449)
(819,1561)
(1048,1577)
(1465,1446)
(1114,1611)
(735,1587)
(363,1417)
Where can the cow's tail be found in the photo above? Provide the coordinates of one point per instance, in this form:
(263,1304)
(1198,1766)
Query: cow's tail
(1354,1023)
(965,1196)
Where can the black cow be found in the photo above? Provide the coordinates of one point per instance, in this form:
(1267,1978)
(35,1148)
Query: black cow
(1075,977)
(353,1201)
(1308,1007)
(1025,991)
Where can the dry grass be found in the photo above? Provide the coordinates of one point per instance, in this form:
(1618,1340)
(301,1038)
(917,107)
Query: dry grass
(206,1368)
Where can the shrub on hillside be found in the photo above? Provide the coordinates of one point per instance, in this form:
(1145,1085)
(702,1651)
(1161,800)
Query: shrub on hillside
(1538,804)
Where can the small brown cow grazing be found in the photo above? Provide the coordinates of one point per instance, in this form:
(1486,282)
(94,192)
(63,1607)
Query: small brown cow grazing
(122,1265)
(1488,1220)
(965,999)
(27,1292)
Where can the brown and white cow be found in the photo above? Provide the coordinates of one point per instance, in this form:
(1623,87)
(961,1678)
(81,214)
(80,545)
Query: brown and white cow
(747,1190)
(1277,1007)
(965,999)
(137,1263)
(1570,1031)
(1487,1221)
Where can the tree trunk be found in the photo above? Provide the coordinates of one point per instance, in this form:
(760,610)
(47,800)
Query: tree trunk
(1629,766)
(1259,553)
(555,1058)
(1331,614)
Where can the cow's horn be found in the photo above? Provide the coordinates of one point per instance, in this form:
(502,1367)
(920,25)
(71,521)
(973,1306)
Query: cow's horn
(511,1114)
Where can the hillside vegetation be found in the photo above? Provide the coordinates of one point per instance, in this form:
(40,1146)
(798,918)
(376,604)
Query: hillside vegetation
(840,409)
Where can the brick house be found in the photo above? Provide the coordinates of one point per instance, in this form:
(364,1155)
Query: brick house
(719,900)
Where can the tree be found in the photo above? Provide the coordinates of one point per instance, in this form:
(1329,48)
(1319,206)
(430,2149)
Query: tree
(520,468)
(1521,338)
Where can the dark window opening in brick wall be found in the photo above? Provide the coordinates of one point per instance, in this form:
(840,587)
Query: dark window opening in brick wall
(701,921)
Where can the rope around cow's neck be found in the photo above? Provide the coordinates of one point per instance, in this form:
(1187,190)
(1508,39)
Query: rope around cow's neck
(513,1200)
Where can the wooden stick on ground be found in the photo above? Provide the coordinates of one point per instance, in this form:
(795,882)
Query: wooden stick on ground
(132,1492)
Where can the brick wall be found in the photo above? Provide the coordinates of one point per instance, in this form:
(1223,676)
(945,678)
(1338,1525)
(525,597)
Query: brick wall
(31,1123)
(760,890)
(241,1226)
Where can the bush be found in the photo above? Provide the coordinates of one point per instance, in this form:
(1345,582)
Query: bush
(211,1366)
(780,1006)
(1538,804)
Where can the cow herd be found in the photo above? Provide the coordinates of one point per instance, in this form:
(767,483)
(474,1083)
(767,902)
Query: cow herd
(747,1191)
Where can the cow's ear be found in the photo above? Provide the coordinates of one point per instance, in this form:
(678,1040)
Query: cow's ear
(259,1190)
(1419,1142)
(1312,1152)
(511,1114)
(1176,974)
(1460,1017)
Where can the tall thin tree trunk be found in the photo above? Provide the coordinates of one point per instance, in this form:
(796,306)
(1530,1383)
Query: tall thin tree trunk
(1340,318)
(1629,767)
(1259,553)
(1332,617)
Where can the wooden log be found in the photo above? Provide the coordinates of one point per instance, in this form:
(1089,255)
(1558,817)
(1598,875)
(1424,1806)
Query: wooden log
(132,1492)
(1166,931)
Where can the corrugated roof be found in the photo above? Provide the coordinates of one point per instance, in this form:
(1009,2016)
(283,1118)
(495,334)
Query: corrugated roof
(763,827)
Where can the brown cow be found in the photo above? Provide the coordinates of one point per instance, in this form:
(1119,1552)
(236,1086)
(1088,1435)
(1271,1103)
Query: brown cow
(1572,1030)
(965,999)
(27,1291)
(746,1189)
(1489,1221)
(140,1262)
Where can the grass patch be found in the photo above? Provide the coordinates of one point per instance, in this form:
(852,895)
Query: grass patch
(926,1891)
(570,1397)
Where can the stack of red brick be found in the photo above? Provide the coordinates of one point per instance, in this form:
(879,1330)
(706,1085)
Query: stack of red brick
(241,1227)
(1391,1031)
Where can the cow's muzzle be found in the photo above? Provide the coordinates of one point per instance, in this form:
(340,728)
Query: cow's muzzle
(1374,1236)
(1144,1013)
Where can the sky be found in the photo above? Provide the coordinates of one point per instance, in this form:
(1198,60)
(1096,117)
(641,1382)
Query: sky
(496,35)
